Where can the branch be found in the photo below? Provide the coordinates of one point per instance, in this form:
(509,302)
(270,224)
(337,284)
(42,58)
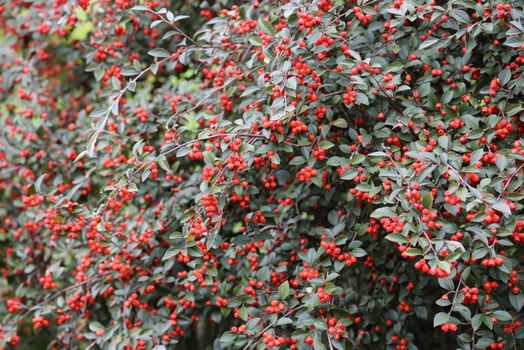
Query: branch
(92,143)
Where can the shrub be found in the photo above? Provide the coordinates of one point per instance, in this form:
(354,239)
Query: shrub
(261,174)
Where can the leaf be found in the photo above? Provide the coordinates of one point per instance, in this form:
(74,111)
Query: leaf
(183,151)
(266,27)
(171,252)
(378,154)
(283,321)
(463,311)
(358,252)
(444,265)
(446,283)
(297,160)
(413,252)
(440,318)
(349,174)
(460,15)
(487,321)
(250,90)
(129,71)
(476,155)
(115,82)
(114,108)
(98,112)
(383,212)
(502,315)
(155,23)
(516,301)
(514,109)
(139,8)
(502,207)
(335,161)
(145,174)
(179,18)
(326,144)
(443,142)
(447,96)
(283,290)
(228,338)
(357,159)
(427,200)
(397,238)
(501,162)
(159,52)
(476,321)
(154,68)
(504,76)
(428,43)
(291,83)
(95,326)
(340,123)
(362,99)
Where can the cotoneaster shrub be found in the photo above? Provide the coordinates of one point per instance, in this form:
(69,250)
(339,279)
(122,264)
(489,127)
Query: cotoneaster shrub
(261,174)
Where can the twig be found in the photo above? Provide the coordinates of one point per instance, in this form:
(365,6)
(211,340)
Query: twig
(509,180)
(103,122)
(269,326)
(329,341)
(455,296)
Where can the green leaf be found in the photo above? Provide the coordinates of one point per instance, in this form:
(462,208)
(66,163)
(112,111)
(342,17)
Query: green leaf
(502,207)
(183,151)
(298,160)
(283,321)
(129,71)
(501,162)
(516,301)
(502,315)
(440,318)
(514,109)
(428,43)
(357,159)
(98,112)
(95,326)
(228,338)
(291,83)
(283,290)
(504,76)
(476,321)
(326,144)
(171,252)
(159,52)
(383,212)
(487,321)
(427,200)
(444,265)
(413,252)
(266,27)
(460,15)
(397,238)
(463,311)
(340,123)
(349,174)
(443,142)
(179,18)
(139,8)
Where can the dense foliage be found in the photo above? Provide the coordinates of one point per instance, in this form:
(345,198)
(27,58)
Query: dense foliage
(321,174)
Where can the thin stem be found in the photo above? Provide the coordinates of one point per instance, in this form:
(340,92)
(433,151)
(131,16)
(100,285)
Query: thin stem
(455,296)
(509,180)
(270,326)
(102,124)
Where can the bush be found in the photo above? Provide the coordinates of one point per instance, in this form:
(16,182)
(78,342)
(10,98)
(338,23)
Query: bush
(271,174)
